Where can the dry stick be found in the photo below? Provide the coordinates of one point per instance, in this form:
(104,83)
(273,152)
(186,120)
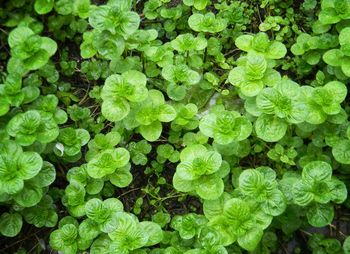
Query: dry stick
(21,240)
(337,230)
(305,232)
(4,31)
(283,247)
(85,96)
(127,192)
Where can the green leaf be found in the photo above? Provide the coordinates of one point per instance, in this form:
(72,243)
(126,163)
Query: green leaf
(166,113)
(41,215)
(209,187)
(188,225)
(64,7)
(206,23)
(10,224)
(122,178)
(49,45)
(181,184)
(345,66)
(154,231)
(18,35)
(75,194)
(29,165)
(101,245)
(338,90)
(317,171)
(43,6)
(225,127)
(191,152)
(88,229)
(65,239)
(341,151)
(31,126)
(213,208)
(244,42)
(105,213)
(187,42)
(107,162)
(109,46)
(255,67)
(333,57)
(95,210)
(152,131)
(320,215)
(81,8)
(128,234)
(260,42)
(115,110)
(251,181)
(17,166)
(251,239)
(104,18)
(29,196)
(276,50)
(328,16)
(338,191)
(270,128)
(302,193)
(346,245)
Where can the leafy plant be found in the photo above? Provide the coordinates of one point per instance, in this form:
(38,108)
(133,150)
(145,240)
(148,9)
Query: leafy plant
(200,171)
(261,44)
(166,126)
(150,115)
(17,166)
(316,188)
(70,141)
(107,161)
(311,47)
(119,90)
(33,126)
(225,126)
(334,11)
(340,57)
(253,74)
(206,23)
(29,51)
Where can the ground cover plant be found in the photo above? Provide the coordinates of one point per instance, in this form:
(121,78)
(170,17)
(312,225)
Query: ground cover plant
(174,126)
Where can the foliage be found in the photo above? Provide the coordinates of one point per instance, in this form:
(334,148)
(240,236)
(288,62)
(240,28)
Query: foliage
(166,126)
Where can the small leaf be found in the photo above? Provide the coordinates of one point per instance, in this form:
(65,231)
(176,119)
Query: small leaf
(10,224)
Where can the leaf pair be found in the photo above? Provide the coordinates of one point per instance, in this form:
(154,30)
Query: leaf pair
(107,162)
(324,101)
(206,23)
(70,141)
(13,94)
(200,171)
(311,48)
(275,107)
(340,57)
(333,11)
(253,74)
(239,221)
(29,51)
(225,126)
(129,234)
(260,44)
(316,189)
(119,90)
(260,185)
(16,167)
(150,115)
(77,7)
